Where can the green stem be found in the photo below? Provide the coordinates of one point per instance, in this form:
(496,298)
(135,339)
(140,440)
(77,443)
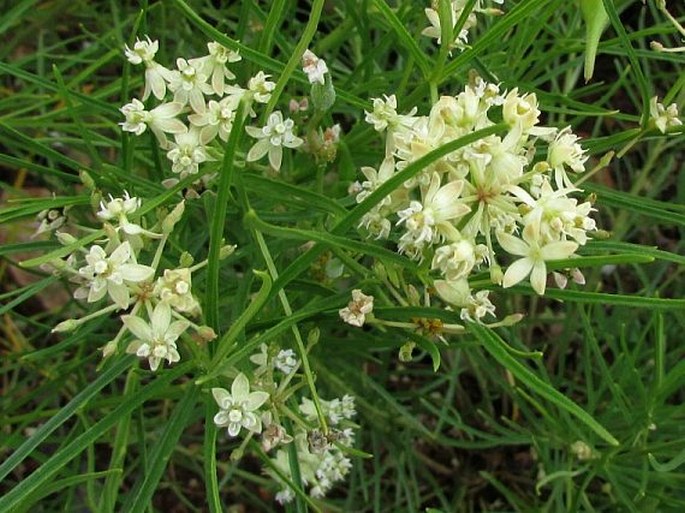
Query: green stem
(219,219)
(309,377)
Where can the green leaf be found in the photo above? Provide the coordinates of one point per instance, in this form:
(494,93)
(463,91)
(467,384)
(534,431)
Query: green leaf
(495,346)
(596,20)
(64,414)
(147,483)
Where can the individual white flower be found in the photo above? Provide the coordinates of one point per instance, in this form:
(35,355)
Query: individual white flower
(663,117)
(338,410)
(375,179)
(187,153)
(238,407)
(175,289)
(261,87)
(376,223)
(214,65)
(385,114)
(429,220)
(565,152)
(50,220)
(118,210)
(456,260)
(216,119)
(111,274)
(553,213)
(276,134)
(286,361)
(477,307)
(142,52)
(521,110)
(156,75)
(356,311)
(534,256)
(189,85)
(156,340)
(161,119)
(314,68)
(435,30)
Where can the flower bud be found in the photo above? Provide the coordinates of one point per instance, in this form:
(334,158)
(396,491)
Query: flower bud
(65,326)
(323,95)
(206,333)
(226,251)
(65,238)
(405,353)
(173,217)
(186,259)
(86,180)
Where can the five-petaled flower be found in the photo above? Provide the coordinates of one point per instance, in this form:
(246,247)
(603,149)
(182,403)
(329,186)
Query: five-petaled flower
(111,274)
(534,255)
(238,407)
(272,138)
(156,340)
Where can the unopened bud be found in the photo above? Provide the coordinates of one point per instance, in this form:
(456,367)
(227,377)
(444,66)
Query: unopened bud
(109,348)
(313,337)
(86,180)
(206,333)
(65,238)
(656,46)
(511,319)
(496,274)
(186,259)
(323,95)
(405,353)
(601,234)
(65,326)
(173,217)
(226,251)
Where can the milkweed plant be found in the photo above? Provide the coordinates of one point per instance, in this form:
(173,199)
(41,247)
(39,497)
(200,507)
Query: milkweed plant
(257,230)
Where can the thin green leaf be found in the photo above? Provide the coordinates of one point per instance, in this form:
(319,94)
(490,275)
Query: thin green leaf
(494,345)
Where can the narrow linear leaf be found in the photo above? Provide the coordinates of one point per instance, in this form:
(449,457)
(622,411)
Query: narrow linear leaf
(494,345)
(145,488)
(64,414)
(44,474)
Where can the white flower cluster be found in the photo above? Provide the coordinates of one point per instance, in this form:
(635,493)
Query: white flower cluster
(508,189)
(246,411)
(455,12)
(204,95)
(321,457)
(111,270)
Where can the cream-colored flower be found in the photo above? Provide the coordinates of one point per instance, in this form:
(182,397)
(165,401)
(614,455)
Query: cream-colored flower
(111,274)
(534,256)
(239,406)
(156,340)
(356,311)
(276,134)
(663,117)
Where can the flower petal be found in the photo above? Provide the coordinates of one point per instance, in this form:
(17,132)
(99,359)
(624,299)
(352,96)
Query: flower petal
(222,397)
(558,250)
(161,317)
(259,149)
(538,277)
(137,326)
(136,272)
(255,400)
(240,388)
(512,244)
(517,272)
